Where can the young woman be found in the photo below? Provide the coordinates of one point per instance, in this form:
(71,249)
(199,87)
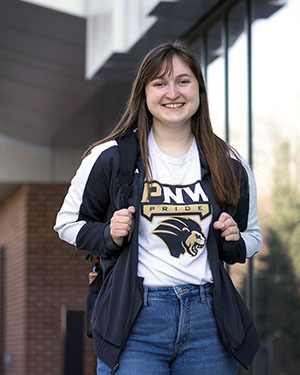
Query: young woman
(167,305)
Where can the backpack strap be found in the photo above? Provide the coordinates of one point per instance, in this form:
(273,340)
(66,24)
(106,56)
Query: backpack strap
(128,148)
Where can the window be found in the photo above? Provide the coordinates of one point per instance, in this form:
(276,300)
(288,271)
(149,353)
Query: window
(276,113)
(264,128)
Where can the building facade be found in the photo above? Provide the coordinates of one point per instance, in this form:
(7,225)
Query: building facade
(66,72)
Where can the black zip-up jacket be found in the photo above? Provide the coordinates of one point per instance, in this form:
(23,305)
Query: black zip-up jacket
(84,219)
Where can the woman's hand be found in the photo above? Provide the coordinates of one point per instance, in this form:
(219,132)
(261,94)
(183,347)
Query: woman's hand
(228,227)
(121,224)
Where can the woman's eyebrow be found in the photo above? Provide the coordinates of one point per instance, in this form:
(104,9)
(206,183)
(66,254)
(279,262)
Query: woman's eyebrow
(179,76)
(184,75)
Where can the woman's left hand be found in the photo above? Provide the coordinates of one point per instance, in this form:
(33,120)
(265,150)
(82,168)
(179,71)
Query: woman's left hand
(228,227)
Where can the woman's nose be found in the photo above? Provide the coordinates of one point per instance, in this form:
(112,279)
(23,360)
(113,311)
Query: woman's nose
(172,92)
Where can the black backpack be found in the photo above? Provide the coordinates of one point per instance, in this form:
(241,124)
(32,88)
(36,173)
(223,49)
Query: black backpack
(128,149)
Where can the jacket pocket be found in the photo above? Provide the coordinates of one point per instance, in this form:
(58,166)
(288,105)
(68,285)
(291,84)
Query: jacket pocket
(118,302)
(232,315)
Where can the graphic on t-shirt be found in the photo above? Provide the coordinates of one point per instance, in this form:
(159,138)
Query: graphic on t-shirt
(181,235)
(181,210)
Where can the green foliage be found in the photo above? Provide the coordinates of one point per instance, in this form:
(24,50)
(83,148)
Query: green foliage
(277,281)
(277,310)
(286,206)
(294,249)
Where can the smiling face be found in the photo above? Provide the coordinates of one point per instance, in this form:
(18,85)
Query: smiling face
(173,98)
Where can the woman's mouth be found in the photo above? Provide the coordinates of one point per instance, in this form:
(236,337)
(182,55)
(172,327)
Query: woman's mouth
(173,105)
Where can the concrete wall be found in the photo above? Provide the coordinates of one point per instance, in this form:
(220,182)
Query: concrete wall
(25,162)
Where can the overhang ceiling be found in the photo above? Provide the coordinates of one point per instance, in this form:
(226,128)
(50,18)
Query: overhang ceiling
(42,85)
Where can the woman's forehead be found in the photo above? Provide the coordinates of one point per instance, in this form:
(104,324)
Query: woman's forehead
(169,64)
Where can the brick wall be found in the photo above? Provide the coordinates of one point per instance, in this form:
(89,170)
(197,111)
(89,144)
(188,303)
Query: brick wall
(2,273)
(13,240)
(45,278)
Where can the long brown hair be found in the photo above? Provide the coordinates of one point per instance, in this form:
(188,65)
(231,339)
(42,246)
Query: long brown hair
(217,153)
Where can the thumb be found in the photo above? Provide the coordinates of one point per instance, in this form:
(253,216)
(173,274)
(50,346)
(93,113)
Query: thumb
(218,224)
(131,209)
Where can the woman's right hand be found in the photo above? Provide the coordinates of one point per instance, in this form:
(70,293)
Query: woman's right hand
(121,224)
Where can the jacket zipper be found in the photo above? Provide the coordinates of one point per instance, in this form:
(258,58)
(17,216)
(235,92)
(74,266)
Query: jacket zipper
(115,368)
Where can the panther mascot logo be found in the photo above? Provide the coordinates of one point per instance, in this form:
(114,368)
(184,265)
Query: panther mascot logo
(181,235)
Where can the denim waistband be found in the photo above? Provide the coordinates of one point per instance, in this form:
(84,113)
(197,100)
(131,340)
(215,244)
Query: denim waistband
(177,291)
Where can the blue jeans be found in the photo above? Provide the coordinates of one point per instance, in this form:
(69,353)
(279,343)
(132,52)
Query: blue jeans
(175,334)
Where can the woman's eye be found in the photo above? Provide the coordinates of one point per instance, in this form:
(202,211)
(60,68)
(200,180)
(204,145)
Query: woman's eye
(184,82)
(158,84)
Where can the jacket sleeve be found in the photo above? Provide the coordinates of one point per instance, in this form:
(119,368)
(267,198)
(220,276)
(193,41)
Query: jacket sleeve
(245,215)
(82,219)
(250,230)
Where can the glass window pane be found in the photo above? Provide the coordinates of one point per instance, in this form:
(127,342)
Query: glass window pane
(238,89)
(276,114)
(215,79)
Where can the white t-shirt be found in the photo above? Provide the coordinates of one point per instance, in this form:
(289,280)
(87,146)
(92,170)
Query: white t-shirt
(174,222)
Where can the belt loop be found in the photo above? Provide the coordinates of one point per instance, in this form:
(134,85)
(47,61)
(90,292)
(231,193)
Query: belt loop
(145,295)
(202,294)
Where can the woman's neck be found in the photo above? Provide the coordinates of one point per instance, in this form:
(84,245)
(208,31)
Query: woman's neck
(174,142)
